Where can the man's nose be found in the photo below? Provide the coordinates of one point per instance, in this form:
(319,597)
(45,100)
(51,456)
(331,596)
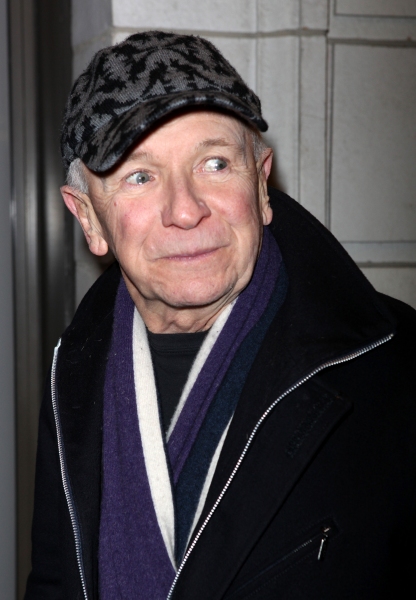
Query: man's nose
(185,207)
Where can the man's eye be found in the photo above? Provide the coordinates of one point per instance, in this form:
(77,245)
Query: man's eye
(215,164)
(138,178)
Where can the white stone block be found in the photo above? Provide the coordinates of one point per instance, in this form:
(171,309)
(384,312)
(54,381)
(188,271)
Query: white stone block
(89,19)
(281,15)
(370,28)
(378,8)
(216,15)
(312,128)
(278,88)
(382,252)
(374,144)
(397,282)
(314,14)
(278,15)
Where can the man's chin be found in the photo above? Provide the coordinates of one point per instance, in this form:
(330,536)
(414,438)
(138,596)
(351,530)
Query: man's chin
(184,302)
(195,296)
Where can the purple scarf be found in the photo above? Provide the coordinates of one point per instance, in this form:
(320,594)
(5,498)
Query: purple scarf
(133,560)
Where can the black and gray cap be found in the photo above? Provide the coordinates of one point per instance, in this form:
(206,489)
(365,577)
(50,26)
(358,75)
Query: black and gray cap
(127,88)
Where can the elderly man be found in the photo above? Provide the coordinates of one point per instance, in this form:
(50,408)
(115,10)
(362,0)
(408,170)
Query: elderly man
(231,412)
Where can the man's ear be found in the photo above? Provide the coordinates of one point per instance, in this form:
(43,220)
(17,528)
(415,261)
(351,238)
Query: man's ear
(264,166)
(81,207)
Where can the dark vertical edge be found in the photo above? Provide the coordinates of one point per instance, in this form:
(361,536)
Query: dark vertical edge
(25,225)
(57,266)
(40,77)
(329,131)
(7,352)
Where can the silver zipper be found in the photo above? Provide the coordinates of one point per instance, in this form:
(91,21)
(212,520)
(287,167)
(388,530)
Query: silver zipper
(64,474)
(330,363)
(322,537)
(324,542)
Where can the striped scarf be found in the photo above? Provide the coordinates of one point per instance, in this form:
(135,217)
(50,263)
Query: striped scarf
(154,487)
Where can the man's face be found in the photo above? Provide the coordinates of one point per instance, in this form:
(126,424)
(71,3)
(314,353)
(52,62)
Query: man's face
(183,214)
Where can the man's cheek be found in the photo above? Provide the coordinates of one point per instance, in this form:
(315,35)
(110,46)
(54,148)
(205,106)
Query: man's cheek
(128,223)
(244,211)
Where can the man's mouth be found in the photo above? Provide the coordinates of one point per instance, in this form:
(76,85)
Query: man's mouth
(194,255)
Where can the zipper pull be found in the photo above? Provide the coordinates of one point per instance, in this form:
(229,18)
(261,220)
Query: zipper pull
(324,542)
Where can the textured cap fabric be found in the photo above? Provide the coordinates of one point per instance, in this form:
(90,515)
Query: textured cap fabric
(127,88)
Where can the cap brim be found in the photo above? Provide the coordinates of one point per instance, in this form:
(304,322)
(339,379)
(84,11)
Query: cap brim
(112,141)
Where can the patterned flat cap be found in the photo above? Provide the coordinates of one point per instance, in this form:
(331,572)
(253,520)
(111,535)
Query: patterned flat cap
(126,89)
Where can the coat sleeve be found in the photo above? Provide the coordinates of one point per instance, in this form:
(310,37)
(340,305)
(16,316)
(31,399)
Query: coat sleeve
(44,581)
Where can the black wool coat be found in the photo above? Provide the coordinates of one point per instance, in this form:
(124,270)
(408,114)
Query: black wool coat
(314,495)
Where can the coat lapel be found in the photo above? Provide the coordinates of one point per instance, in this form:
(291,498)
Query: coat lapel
(284,445)
(82,361)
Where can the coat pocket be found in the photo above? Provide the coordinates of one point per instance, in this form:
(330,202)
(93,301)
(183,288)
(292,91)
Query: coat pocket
(309,548)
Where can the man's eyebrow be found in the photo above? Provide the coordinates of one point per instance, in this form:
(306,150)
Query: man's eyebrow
(214,142)
(136,155)
(218,142)
(240,144)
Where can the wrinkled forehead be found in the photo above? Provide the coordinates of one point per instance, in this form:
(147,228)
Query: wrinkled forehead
(203,128)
